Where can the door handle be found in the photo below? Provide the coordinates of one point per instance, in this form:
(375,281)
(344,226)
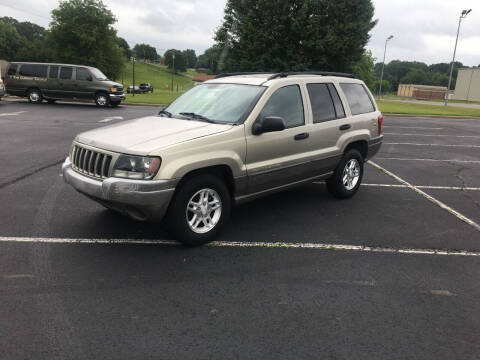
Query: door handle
(301,136)
(345,127)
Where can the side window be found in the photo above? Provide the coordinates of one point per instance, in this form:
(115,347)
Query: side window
(358,98)
(33,70)
(339,110)
(12,70)
(53,72)
(286,103)
(322,104)
(82,74)
(66,73)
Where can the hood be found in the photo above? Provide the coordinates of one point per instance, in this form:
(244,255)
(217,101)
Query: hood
(111,83)
(144,135)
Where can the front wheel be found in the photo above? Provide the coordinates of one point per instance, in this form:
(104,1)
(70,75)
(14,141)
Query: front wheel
(347,176)
(35,96)
(102,100)
(199,210)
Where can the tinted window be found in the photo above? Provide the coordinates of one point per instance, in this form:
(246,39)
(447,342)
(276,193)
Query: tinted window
(339,110)
(33,70)
(322,104)
(12,70)
(53,72)
(358,98)
(66,73)
(287,104)
(82,74)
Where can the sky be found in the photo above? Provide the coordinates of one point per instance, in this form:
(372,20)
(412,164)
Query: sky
(423,30)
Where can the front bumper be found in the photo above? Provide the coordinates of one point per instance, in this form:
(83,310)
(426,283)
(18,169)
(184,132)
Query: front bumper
(116,97)
(139,199)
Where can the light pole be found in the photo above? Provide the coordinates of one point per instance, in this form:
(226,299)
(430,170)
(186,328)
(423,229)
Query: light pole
(173,72)
(383,66)
(133,75)
(462,16)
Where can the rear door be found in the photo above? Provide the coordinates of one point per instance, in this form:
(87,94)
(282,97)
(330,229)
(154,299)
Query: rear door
(279,158)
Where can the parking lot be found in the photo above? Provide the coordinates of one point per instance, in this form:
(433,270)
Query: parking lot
(389,274)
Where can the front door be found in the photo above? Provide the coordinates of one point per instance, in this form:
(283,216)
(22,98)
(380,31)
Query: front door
(279,158)
(66,89)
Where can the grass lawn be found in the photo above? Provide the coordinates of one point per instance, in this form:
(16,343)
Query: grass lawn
(394,107)
(159,97)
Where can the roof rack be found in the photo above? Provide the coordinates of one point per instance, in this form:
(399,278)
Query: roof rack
(240,73)
(320,73)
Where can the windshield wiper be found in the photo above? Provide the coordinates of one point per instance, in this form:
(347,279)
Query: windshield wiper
(165,112)
(198,117)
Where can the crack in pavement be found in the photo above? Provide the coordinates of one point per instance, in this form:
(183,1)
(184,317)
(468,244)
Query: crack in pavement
(33,172)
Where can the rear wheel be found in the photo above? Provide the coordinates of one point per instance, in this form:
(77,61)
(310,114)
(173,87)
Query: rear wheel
(199,210)
(102,100)
(35,96)
(347,176)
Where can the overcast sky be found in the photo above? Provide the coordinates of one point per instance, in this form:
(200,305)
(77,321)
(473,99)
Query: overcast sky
(424,30)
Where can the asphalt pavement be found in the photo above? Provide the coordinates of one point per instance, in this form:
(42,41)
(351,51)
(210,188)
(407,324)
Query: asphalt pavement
(389,274)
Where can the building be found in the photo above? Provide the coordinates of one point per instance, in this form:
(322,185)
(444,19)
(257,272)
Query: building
(202,77)
(468,84)
(422,92)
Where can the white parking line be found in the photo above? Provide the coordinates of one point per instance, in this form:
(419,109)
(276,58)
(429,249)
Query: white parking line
(425,187)
(446,145)
(435,135)
(111,118)
(442,160)
(429,197)
(238,244)
(412,127)
(13,113)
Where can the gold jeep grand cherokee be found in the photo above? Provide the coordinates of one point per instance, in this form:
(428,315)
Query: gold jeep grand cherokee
(230,140)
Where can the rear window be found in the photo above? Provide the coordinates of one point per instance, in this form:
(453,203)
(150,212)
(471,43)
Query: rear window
(53,72)
(358,98)
(33,70)
(66,73)
(12,70)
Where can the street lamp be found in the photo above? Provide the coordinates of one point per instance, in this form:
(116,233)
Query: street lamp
(383,66)
(173,72)
(133,75)
(462,16)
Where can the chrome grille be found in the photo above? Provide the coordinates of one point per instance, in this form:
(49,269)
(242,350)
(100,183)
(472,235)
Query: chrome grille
(91,162)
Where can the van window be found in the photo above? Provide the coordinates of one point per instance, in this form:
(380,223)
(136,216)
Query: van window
(33,70)
(12,70)
(322,103)
(66,73)
(53,72)
(286,103)
(82,74)
(358,98)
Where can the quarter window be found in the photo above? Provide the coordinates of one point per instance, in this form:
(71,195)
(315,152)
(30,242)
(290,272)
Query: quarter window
(53,72)
(358,98)
(33,70)
(322,103)
(12,70)
(82,74)
(66,73)
(286,103)
(339,110)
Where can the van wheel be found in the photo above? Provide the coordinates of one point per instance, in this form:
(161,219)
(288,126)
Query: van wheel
(199,210)
(102,100)
(35,96)
(347,176)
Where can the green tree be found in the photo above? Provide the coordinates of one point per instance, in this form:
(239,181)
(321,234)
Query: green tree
(145,51)
(294,34)
(81,32)
(10,41)
(210,59)
(191,58)
(180,60)
(363,69)
(122,43)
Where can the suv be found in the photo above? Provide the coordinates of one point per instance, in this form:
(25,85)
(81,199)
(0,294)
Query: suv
(146,87)
(226,141)
(52,82)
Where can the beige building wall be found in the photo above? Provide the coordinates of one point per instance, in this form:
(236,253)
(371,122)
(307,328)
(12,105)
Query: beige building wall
(468,85)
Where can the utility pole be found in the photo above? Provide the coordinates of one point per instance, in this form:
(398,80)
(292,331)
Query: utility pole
(463,15)
(173,72)
(383,66)
(133,76)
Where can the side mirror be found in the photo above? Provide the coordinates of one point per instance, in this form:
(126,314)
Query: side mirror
(268,124)
(89,78)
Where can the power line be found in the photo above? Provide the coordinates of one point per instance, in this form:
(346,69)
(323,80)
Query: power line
(24,11)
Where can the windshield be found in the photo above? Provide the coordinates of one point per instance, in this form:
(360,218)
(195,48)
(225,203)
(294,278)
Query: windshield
(225,103)
(97,74)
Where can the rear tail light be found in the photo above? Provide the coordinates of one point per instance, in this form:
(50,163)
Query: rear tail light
(380,124)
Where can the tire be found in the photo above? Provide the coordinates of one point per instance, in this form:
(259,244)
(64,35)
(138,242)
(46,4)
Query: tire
(35,96)
(102,99)
(184,208)
(114,103)
(351,167)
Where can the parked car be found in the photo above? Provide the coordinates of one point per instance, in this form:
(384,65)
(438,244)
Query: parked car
(2,89)
(39,81)
(146,87)
(131,89)
(227,141)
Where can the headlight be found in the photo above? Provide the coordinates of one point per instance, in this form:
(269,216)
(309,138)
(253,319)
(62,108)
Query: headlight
(136,167)
(112,89)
